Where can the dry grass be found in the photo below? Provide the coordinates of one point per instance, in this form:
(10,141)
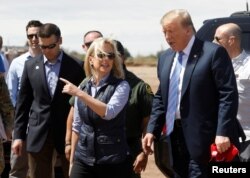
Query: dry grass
(142,61)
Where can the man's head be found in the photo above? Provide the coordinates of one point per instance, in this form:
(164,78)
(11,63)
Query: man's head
(121,50)
(32,29)
(89,37)
(178,28)
(229,36)
(50,40)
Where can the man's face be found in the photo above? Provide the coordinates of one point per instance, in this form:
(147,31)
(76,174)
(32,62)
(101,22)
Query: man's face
(32,37)
(221,38)
(50,46)
(89,39)
(176,35)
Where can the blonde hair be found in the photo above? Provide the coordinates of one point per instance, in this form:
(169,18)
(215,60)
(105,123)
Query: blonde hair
(97,46)
(182,14)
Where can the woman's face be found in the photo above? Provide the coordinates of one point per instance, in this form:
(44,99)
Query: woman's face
(102,62)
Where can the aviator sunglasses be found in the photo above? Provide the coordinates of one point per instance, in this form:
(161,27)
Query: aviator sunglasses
(51,46)
(110,56)
(31,36)
(217,38)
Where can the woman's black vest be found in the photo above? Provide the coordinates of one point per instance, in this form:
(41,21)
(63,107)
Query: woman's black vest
(101,141)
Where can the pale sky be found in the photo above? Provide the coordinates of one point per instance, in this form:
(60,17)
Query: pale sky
(134,22)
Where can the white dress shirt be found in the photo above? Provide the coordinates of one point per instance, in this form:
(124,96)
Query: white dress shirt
(185,56)
(241,66)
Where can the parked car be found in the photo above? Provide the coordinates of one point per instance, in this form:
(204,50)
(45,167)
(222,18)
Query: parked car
(206,32)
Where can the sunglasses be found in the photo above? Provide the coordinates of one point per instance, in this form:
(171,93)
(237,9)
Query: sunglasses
(88,44)
(217,38)
(51,46)
(110,56)
(31,36)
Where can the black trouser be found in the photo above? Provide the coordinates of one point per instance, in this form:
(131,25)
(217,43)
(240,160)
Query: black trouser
(135,146)
(179,150)
(183,165)
(120,170)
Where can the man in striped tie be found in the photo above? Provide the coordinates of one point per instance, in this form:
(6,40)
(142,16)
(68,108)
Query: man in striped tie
(197,98)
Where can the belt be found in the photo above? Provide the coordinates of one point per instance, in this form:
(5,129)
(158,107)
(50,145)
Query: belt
(177,123)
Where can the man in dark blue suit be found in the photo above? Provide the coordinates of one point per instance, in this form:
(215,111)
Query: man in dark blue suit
(42,108)
(206,100)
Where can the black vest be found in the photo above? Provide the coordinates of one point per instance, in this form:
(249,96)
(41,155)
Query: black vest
(101,141)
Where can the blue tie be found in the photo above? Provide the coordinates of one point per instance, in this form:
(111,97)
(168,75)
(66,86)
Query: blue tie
(173,95)
(52,79)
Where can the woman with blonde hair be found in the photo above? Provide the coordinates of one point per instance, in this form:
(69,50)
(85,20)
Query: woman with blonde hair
(99,147)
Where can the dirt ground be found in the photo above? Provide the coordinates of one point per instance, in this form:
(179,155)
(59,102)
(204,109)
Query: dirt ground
(149,75)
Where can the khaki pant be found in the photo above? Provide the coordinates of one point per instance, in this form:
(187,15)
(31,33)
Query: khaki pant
(42,164)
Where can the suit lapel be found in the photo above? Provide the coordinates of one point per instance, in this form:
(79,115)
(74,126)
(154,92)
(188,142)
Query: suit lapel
(191,63)
(62,71)
(168,59)
(43,79)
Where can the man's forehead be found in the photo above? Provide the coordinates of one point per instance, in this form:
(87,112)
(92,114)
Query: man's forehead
(92,36)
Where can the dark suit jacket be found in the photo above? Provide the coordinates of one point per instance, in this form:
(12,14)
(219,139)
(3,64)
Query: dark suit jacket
(209,98)
(36,108)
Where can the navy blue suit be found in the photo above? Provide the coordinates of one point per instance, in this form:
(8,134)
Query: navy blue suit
(209,98)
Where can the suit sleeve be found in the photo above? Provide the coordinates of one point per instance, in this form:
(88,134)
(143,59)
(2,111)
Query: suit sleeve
(157,117)
(227,92)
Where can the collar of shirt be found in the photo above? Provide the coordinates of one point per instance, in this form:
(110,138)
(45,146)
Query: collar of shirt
(95,88)
(186,52)
(189,46)
(102,81)
(58,59)
(240,59)
(28,56)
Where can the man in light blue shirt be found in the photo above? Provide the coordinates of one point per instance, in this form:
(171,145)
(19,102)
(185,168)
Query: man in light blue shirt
(16,68)
(2,69)
(19,164)
(15,74)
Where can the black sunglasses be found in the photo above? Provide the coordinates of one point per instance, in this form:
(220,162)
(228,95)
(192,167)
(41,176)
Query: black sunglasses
(51,46)
(31,36)
(88,44)
(217,38)
(110,56)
